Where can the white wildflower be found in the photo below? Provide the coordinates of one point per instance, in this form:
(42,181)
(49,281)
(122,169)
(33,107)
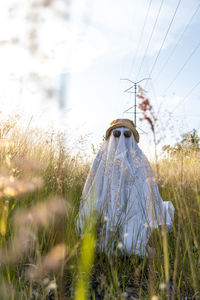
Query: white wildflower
(120,245)
(162,286)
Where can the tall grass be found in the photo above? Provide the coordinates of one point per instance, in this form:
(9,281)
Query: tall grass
(43,257)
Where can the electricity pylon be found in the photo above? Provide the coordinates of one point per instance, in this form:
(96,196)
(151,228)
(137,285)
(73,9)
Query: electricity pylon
(135,93)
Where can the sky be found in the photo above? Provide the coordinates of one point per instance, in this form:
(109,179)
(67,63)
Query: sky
(62,61)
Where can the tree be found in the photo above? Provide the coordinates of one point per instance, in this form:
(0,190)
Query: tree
(190,141)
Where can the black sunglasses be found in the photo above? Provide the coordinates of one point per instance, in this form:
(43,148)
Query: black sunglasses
(117,133)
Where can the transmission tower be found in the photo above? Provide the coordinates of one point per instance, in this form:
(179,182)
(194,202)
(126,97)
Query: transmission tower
(129,90)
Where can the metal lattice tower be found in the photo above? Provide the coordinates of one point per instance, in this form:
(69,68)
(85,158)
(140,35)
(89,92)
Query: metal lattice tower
(129,90)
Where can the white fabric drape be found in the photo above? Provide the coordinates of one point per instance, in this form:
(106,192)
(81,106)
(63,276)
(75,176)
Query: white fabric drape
(121,187)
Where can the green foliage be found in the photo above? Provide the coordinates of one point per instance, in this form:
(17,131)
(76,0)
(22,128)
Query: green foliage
(189,142)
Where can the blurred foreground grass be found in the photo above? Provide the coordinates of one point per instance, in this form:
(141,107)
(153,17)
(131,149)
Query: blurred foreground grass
(41,255)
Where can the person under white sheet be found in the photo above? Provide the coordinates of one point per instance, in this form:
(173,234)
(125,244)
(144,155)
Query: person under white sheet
(121,188)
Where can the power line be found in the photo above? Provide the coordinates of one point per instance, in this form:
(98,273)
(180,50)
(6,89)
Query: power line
(129,90)
(141,35)
(183,66)
(179,40)
(153,29)
(168,29)
(187,95)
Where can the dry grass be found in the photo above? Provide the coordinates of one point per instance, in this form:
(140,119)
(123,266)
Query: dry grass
(40,189)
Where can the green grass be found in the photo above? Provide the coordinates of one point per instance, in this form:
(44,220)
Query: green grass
(41,253)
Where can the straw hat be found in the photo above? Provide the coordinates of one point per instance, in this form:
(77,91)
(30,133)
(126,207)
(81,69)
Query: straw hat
(123,123)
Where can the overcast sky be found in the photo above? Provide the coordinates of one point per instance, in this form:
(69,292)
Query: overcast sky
(97,42)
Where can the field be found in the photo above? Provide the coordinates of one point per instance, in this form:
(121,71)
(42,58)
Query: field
(43,257)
